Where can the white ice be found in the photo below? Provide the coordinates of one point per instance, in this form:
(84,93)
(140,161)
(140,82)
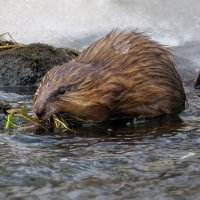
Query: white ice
(77,23)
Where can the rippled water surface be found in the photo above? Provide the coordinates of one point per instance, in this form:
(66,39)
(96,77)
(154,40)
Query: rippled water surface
(157,160)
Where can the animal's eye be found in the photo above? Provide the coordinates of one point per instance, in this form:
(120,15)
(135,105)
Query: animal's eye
(61,90)
(64,89)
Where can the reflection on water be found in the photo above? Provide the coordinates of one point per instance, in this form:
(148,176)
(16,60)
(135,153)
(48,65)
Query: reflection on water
(158,160)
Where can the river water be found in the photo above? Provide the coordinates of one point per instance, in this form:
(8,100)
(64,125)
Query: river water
(157,160)
(154,160)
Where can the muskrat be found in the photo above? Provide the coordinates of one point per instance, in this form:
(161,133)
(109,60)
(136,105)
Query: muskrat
(124,74)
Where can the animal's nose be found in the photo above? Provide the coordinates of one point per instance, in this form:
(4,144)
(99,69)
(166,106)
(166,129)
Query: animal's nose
(39,112)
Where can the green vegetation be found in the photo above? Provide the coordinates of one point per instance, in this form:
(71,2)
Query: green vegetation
(137,121)
(20,116)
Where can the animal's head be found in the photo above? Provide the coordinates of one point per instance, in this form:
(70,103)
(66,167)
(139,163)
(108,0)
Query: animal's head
(69,88)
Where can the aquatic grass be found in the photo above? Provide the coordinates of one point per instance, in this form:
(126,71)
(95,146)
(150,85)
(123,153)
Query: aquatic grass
(17,114)
(137,121)
(20,113)
(58,123)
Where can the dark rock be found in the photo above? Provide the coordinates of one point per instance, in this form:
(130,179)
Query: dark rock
(25,66)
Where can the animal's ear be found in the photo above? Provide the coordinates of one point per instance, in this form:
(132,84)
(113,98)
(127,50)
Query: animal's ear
(197,81)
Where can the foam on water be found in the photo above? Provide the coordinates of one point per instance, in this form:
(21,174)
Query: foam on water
(77,23)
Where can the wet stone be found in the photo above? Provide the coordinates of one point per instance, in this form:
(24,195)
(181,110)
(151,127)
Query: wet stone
(25,66)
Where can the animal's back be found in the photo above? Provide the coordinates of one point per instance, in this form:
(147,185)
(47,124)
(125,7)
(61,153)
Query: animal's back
(137,74)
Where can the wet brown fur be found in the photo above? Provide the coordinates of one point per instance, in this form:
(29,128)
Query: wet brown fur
(124,74)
